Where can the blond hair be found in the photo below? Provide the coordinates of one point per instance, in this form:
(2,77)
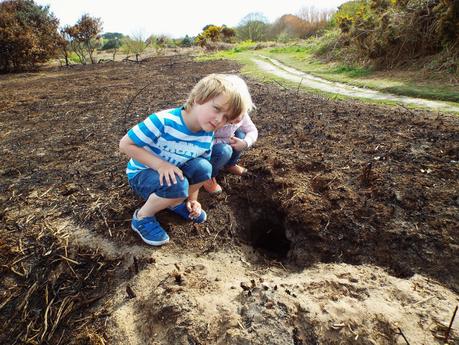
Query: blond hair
(239,99)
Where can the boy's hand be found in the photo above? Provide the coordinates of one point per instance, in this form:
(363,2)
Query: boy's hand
(167,171)
(238,144)
(194,207)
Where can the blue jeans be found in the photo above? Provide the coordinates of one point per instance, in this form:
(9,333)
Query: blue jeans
(224,155)
(195,171)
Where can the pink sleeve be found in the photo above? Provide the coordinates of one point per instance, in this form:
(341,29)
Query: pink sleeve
(251,132)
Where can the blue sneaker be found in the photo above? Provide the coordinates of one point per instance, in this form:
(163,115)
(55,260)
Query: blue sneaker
(149,230)
(183,212)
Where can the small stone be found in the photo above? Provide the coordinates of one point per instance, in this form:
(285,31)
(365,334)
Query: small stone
(244,286)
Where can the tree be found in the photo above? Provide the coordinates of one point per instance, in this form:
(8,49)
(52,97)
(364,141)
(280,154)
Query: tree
(111,40)
(64,45)
(159,43)
(28,35)
(112,35)
(227,34)
(84,37)
(89,29)
(253,26)
(187,41)
(136,45)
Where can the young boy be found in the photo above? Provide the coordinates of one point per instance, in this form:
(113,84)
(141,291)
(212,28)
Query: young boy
(170,153)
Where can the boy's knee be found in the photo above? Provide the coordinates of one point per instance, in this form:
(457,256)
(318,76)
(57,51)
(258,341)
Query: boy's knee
(175,190)
(198,170)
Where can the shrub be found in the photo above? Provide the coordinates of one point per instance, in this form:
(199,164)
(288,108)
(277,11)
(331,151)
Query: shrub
(28,35)
(392,32)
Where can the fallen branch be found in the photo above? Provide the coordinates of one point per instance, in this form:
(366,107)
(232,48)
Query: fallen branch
(403,335)
(448,332)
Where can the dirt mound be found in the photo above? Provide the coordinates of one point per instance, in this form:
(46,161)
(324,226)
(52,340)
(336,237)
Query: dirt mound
(290,253)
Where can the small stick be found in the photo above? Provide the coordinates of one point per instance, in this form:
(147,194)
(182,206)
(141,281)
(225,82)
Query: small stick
(403,335)
(69,260)
(130,292)
(280,84)
(423,301)
(132,100)
(450,325)
(136,266)
(298,87)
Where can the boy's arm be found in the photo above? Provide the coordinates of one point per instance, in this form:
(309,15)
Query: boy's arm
(193,205)
(193,195)
(166,170)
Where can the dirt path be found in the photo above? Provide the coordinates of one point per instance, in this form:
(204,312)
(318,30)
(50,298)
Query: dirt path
(344,232)
(279,69)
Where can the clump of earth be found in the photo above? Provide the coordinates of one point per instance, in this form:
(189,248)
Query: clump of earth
(345,230)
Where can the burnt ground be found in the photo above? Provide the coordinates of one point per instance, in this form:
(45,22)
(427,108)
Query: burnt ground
(330,181)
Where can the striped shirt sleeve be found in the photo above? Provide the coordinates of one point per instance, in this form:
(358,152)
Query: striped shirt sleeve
(147,132)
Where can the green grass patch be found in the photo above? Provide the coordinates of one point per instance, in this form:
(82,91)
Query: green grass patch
(73,57)
(243,46)
(353,72)
(425,92)
(400,83)
(302,59)
(289,49)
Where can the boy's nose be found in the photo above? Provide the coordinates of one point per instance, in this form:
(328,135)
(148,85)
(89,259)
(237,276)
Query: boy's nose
(219,118)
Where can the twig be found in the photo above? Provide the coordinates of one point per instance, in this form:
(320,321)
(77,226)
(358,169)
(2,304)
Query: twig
(136,266)
(130,292)
(423,301)
(450,325)
(298,87)
(403,335)
(401,105)
(132,100)
(280,84)
(69,260)
(105,221)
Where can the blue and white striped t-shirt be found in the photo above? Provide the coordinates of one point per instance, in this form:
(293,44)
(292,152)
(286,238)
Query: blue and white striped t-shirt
(166,135)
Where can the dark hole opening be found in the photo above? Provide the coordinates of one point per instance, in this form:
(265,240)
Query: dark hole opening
(267,234)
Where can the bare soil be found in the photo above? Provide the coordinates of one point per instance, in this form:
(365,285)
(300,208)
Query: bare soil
(345,231)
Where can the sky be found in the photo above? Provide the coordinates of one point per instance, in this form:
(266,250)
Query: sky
(172,17)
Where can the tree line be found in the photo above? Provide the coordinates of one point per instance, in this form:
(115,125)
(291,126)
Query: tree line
(30,35)
(382,32)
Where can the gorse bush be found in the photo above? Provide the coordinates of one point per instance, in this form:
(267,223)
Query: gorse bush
(391,32)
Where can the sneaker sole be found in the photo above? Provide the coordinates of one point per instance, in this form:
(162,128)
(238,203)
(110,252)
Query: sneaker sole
(151,243)
(214,191)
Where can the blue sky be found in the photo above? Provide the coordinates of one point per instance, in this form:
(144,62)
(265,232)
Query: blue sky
(171,17)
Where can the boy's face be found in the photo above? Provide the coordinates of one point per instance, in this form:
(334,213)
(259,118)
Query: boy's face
(212,115)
